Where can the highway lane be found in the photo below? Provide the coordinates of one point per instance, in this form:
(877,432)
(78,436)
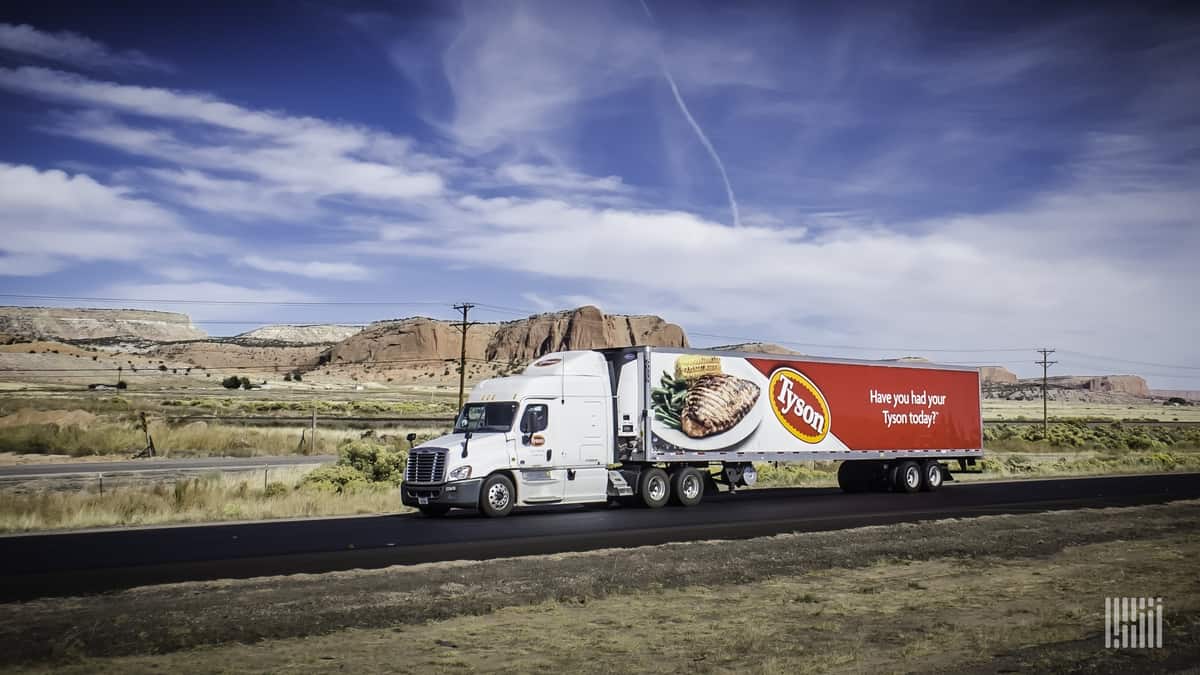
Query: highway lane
(87,562)
(137,465)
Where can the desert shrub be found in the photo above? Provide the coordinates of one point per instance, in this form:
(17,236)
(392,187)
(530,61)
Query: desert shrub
(121,384)
(245,381)
(360,463)
(276,489)
(297,376)
(287,377)
(231,382)
(335,478)
(377,463)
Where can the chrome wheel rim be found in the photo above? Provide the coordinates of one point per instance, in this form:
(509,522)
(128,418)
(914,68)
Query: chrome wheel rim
(498,496)
(690,487)
(935,476)
(657,488)
(912,477)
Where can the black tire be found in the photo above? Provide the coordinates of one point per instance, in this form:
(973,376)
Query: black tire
(907,477)
(931,476)
(433,510)
(654,487)
(852,478)
(687,486)
(497,496)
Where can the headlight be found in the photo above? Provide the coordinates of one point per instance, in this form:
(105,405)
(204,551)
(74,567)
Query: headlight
(461,472)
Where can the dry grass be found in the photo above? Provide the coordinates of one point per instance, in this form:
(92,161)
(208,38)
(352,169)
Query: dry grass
(195,500)
(1007,594)
(1032,410)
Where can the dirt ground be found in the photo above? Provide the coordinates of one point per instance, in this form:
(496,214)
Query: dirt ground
(988,594)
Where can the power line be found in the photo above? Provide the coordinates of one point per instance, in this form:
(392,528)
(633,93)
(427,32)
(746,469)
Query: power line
(1045,363)
(289,303)
(855,347)
(462,365)
(1140,363)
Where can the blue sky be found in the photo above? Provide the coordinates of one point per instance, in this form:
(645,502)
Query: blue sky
(904,177)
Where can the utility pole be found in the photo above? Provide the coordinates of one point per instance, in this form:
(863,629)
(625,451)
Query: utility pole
(1045,363)
(462,360)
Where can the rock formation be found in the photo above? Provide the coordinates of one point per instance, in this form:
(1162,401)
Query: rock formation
(54,323)
(302,335)
(394,343)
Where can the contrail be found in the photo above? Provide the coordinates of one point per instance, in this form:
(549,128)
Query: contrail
(712,152)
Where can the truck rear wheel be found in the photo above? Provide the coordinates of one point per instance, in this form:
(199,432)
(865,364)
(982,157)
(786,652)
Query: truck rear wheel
(497,496)
(907,477)
(687,486)
(931,476)
(654,487)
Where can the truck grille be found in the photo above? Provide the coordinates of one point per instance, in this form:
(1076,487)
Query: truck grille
(426,465)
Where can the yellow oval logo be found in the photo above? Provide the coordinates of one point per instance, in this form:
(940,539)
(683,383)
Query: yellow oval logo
(798,405)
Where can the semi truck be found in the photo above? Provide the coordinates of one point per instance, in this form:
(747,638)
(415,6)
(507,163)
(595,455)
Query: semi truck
(652,426)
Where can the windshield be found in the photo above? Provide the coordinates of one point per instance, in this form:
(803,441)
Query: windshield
(486,417)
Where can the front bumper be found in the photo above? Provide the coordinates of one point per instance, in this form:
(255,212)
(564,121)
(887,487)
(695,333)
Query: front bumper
(459,493)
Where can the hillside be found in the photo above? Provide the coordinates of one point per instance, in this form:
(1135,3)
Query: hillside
(299,334)
(54,323)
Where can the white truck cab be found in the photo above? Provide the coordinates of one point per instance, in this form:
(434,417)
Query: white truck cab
(542,437)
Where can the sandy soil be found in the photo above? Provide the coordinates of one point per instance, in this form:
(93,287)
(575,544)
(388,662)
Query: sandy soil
(992,593)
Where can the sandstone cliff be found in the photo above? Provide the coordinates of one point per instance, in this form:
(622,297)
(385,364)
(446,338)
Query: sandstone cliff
(397,343)
(53,323)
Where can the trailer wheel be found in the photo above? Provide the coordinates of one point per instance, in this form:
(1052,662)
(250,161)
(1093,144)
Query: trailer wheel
(907,477)
(497,497)
(687,486)
(931,476)
(654,487)
(851,477)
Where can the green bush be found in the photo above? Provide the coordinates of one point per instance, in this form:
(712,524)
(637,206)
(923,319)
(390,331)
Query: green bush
(360,463)
(276,490)
(335,478)
(376,462)
(231,382)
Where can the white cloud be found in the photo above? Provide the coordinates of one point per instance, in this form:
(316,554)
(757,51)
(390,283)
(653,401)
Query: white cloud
(26,265)
(293,154)
(558,179)
(72,49)
(52,215)
(312,269)
(982,280)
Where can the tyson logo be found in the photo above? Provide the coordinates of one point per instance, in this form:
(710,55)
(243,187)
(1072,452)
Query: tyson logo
(799,405)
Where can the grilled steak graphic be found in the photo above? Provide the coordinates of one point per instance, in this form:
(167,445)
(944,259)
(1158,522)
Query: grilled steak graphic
(715,403)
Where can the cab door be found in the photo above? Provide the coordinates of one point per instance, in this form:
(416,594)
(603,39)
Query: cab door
(540,476)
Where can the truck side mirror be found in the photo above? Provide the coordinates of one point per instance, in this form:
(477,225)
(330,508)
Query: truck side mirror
(411,438)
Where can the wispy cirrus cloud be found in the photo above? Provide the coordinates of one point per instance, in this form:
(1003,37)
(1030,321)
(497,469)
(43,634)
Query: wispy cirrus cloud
(73,49)
(303,155)
(313,269)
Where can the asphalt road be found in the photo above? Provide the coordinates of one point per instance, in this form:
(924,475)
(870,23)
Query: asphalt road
(88,562)
(139,465)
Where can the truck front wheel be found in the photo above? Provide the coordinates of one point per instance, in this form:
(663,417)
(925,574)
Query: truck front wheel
(654,487)
(497,497)
(687,486)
